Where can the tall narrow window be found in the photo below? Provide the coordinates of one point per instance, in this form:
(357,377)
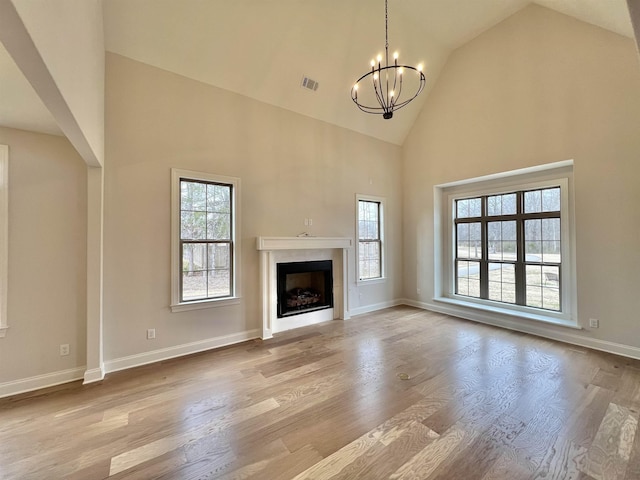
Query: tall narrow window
(370,238)
(206,231)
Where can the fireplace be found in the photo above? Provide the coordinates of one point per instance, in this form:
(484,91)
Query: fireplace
(277,250)
(304,287)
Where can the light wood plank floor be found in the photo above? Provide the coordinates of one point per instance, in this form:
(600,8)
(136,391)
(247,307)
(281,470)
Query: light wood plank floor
(327,402)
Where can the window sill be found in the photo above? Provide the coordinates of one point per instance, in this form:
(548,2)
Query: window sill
(538,317)
(371,281)
(202,304)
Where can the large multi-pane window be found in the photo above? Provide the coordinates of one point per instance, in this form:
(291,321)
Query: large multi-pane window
(370,247)
(205,256)
(508,247)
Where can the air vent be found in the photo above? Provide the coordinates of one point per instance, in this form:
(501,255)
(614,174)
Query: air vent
(309,84)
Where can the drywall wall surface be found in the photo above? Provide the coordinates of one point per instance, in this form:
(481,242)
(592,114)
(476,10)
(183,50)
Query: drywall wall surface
(291,167)
(47,256)
(539,88)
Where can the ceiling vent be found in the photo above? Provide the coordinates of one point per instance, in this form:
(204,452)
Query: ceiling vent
(309,84)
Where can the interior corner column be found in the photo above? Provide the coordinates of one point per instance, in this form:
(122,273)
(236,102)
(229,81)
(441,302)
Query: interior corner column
(95,220)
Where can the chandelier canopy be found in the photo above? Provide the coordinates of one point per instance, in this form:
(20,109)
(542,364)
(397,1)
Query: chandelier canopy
(381,88)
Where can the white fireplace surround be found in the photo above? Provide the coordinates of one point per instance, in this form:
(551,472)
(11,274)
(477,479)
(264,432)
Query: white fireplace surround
(274,250)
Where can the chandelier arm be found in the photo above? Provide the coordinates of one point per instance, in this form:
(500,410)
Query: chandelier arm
(399,89)
(379,94)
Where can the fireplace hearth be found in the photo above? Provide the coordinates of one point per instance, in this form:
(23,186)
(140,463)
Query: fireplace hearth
(304,287)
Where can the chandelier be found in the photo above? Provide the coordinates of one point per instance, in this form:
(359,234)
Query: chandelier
(386,82)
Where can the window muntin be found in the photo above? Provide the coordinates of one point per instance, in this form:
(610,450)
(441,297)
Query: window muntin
(370,261)
(508,248)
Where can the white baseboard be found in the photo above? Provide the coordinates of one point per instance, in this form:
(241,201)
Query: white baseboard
(526,327)
(376,306)
(40,381)
(94,375)
(178,351)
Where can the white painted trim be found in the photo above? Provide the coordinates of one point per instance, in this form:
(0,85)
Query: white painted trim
(303,320)
(531,328)
(302,243)
(37,382)
(4,237)
(377,306)
(94,375)
(153,356)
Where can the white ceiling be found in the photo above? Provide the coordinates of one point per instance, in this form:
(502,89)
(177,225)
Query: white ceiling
(263,48)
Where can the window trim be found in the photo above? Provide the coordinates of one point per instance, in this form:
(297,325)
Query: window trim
(4,237)
(555,174)
(383,257)
(176,304)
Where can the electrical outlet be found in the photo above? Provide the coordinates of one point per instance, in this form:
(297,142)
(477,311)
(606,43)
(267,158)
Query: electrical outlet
(306,222)
(64,349)
(418,291)
(151,333)
(310,221)
(594,323)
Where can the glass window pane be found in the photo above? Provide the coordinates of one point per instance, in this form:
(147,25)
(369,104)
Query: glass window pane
(469,207)
(532,240)
(463,208)
(193,225)
(494,205)
(194,257)
(468,278)
(218,198)
(494,238)
(368,220)
(219,283)
(509,204)
(534,286)
(551,200)
(194,285)
(532,201)
(193,196)
(551,288)
(462,242)
(475,207)
(369,260)
(509,230)
(218,226)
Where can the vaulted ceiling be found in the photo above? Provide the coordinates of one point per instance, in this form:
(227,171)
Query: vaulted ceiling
(263,48)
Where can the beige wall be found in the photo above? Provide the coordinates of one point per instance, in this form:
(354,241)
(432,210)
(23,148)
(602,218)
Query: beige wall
(291,168)
(47,251)
(540,87)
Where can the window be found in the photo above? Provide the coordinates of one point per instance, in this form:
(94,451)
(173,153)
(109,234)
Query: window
(370,238)
(204,230)
(508,244)
(508,248)
(4,235)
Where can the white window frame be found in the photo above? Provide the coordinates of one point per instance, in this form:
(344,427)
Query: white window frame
(176,176)
(383,257)
(555,174)
(4,237)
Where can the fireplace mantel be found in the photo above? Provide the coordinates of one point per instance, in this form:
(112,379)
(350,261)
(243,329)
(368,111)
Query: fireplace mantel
(302,243)
(285,249)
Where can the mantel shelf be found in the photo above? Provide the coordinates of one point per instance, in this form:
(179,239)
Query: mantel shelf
(302,243)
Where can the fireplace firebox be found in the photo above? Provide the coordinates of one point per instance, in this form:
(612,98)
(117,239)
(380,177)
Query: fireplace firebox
(304,287)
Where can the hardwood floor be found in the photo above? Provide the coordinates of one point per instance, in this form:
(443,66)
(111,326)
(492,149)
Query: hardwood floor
(327,402)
